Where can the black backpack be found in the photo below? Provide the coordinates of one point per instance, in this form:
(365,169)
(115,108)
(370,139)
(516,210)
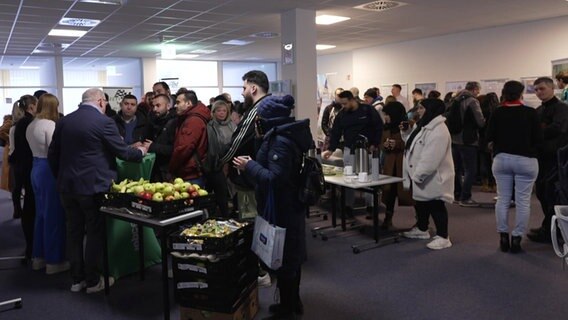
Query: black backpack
(454,120)
(311,182)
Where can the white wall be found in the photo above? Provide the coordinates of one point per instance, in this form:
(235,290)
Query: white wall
(514,51)
(338,68)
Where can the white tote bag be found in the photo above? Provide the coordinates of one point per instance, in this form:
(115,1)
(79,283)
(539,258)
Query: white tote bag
(268,239)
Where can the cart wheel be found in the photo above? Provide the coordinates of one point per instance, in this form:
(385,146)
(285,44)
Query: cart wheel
(18,305)
(324,237)
(325,217)
(314,235)
(356,250)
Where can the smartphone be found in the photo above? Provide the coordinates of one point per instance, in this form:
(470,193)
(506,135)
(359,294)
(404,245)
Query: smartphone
(405,125)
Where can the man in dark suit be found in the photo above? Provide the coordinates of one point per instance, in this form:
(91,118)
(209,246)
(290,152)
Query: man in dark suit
(82,157)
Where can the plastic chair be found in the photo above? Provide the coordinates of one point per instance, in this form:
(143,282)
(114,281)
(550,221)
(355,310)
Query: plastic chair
(560,216)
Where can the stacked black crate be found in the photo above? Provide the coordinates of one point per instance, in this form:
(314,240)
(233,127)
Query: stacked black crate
(214,273)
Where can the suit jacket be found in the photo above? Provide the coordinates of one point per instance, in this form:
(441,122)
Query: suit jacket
(83,150)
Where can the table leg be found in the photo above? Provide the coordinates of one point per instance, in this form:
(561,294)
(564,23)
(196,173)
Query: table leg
(376,196)
(105,256)
(165,280)
(357,248)
(319,230)
(342,208)
(333,207)
(141,250)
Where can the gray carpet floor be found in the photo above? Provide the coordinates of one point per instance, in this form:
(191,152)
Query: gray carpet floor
(404,280)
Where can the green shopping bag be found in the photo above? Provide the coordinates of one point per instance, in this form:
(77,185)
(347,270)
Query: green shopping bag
(122,236)
(136,170)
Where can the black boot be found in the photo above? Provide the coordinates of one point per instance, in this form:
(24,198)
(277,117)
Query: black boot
(387,223)
(516,244)
(290,304)
(504,243)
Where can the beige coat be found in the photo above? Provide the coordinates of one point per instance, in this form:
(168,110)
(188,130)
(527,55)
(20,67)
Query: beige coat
(428,163)
(393,160)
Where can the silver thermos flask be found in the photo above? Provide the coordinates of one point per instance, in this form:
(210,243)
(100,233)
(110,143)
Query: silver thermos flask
(361,155)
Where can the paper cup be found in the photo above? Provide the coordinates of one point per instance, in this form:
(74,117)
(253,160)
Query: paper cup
(363,177)
(348,170)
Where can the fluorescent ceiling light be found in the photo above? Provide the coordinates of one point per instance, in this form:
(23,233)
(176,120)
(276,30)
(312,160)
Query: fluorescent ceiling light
(79,22)
(67,33)
(112,2)
(187,56)
(168,51)
(324,46)
(207,51)
(29,67)
(237,42)
(327,19)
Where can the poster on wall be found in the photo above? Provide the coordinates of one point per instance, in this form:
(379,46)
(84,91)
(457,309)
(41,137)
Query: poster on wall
(493,85)
(455,86)
(425,87)
(173,83)
(115,95)
(529,96)
(559,66)
(324,97)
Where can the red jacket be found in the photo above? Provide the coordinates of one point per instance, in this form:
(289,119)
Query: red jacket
(191,136)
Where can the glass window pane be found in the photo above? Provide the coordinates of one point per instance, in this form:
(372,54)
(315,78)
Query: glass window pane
(233,71)
(8,96)
(27,71)
(189,73)
(236,93)
(100,72)
(204,94)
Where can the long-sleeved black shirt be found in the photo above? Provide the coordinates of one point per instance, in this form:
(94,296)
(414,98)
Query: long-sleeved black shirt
(515,130)
(365,120)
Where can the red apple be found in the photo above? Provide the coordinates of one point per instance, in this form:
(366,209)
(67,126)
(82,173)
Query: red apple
(191,189)
(194,194)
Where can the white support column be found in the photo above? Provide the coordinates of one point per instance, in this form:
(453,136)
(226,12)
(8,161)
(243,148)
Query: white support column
(299,29)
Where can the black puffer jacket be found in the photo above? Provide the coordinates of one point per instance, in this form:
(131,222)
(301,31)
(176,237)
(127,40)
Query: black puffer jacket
(163,133)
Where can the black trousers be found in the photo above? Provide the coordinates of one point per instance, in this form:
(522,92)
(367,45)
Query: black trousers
(436,209)
(217,182)
(544,190)
(82,213)
(22,179)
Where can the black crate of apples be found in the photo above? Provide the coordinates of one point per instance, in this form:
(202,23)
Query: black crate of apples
(159,199)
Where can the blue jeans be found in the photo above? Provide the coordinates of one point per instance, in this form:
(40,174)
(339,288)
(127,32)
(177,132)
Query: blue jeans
(465,163)
(518,174)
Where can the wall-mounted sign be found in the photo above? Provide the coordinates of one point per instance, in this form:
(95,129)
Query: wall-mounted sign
(287,53)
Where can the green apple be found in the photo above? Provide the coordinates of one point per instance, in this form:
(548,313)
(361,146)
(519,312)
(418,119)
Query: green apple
(129,190)
(168,190)
(196,186)
(158,197)
(184,195)
(202,192)
(138,189)
(149,187)
(178,180)
(177,195)
(159,185)
(179,187)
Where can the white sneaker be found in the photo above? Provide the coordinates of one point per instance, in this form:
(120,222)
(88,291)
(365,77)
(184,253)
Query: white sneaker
(101,285)
(77,287)
(264,281)
(56,268)
(439,243)
(416,233)
(38,264)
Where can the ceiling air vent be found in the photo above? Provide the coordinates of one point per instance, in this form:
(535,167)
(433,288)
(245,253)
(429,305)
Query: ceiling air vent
(379,6)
